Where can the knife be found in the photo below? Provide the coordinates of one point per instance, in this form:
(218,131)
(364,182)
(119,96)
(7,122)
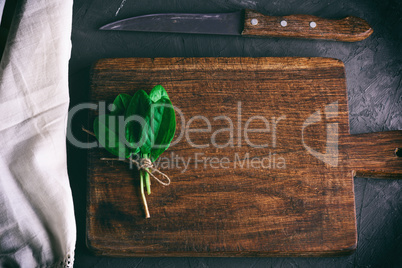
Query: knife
(248,23)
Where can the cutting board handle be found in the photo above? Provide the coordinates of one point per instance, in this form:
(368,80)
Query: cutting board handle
(375,155)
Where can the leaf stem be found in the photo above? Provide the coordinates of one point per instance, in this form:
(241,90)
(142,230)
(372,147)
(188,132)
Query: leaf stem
(147,179)
(144,200)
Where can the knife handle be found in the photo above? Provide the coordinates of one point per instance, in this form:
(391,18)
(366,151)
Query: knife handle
(349,29)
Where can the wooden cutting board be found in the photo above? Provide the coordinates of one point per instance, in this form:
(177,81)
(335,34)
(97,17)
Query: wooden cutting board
(261,164)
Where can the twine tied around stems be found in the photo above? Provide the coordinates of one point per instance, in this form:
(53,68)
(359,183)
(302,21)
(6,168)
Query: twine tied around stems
(146,165)
(143,164)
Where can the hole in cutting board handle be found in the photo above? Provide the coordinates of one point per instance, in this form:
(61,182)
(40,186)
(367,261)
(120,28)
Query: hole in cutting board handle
(398,152)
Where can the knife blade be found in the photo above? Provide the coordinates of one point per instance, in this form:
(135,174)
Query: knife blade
(248,23)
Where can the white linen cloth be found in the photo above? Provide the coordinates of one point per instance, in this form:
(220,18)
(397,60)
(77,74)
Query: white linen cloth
(37,224)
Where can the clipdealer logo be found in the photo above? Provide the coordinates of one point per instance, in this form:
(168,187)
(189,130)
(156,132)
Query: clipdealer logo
(270,160)
(330,156)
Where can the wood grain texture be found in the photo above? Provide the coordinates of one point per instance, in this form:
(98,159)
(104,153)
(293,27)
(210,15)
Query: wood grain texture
(373,155)
(238,208)
(349,29)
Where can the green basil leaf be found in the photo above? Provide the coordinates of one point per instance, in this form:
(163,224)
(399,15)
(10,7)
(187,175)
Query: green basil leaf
(166,131)
(157,93)
(137,119)
(120,104)
(150,124)
(154,120)
(106,128)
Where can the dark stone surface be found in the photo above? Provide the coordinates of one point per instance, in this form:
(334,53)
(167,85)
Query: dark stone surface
(374,85)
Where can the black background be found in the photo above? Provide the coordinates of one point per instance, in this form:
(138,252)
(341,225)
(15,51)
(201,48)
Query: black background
(374,85)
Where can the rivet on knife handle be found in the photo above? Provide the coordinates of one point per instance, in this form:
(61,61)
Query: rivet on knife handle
(349,29)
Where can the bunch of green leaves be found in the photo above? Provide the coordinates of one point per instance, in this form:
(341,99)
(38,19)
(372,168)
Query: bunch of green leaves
(141,124)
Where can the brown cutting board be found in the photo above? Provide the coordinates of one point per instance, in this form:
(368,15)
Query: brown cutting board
(261,163)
